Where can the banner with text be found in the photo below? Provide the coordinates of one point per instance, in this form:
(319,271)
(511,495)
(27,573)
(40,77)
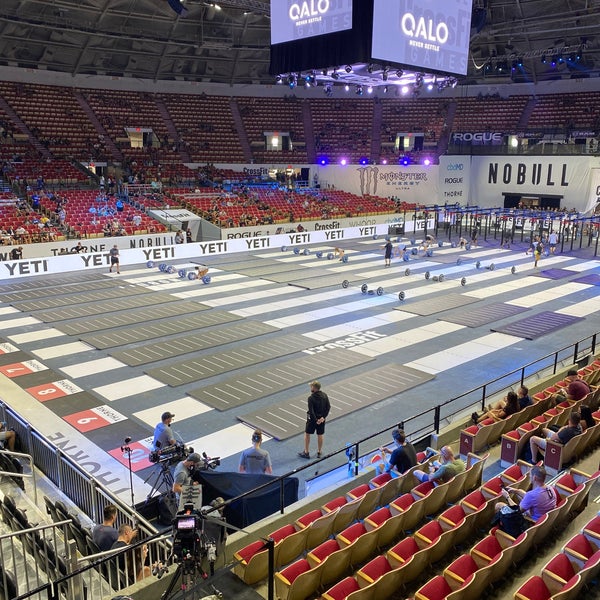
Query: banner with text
(566,176)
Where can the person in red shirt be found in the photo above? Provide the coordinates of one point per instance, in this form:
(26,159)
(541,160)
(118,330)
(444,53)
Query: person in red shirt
(577,389)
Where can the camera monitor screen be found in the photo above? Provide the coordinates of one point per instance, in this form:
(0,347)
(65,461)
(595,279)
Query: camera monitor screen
(186,522)
(424,34)
(299,19)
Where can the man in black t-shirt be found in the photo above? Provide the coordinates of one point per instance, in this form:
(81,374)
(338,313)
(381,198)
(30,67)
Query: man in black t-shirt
(562,436)
(403,457)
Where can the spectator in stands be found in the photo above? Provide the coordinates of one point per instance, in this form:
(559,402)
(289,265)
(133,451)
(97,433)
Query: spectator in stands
(188,236)
(587,420)
(443,471)
(163,434)
(524,398)
(577,389)
(536,502)
(20,233)
(179,238)
(537,443)
(255,460)
(105,534)
(504,408)
(131,563)
(403,457)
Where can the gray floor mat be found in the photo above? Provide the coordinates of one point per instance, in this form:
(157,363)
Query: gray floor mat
(237,391)
(69,288)
(243,356)
(436,304)
(538,325)
(482,315)
(201,340)
(288,418)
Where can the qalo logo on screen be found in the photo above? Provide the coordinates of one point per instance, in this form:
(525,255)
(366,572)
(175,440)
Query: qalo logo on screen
(295,20)
(424,34)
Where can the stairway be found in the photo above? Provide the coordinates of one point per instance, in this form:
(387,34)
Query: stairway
(445,135)
(309,135)
(91,115)
(171,129)
(526,114)
(22,127)
(239,127)
(376,131)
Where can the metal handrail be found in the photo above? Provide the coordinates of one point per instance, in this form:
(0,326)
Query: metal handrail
(22,475)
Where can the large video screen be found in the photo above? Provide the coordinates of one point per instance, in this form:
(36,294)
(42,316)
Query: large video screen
(432,35)
(293,20)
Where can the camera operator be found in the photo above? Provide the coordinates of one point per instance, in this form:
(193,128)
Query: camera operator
(163,434)
(183,472)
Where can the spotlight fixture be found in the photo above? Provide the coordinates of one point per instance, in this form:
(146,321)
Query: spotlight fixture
(346,88)
(278,79)
(359,90)
(291,80)
(385,89)
(543,59)
(370,89)
(348,69)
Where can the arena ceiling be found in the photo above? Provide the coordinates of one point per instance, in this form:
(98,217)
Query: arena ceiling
(228,41)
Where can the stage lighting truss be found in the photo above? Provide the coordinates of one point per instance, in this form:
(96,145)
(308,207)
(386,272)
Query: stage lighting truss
(368,77)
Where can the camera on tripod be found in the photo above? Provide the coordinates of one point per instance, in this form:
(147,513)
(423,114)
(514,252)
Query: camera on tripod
(208,462)
(170,454)
(190,543)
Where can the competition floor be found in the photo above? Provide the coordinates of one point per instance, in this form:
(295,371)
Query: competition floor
(92,358)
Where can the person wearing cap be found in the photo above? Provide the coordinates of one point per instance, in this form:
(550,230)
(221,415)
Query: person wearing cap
(255,460)
(403,457)
(536,502)
(182,475)
(577,389)
(163,434)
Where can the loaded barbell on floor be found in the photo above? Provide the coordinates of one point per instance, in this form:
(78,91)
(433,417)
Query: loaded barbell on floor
(364,288)
(441,277)
(319,254)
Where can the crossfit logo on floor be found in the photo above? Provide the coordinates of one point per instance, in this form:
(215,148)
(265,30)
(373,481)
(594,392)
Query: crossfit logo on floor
(355,339)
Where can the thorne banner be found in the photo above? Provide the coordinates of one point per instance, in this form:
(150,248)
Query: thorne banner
(493,176)
(454,180)
(413,184)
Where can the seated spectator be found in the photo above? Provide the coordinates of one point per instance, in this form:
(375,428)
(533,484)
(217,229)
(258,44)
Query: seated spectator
(8,437)
(504,408)
(105,534)
(131,562)
(536,502)
(403,457)
(524,398)
(587,420)
(562,436)
(443,471)
(577,389)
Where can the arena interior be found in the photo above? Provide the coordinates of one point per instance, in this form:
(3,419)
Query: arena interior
(250,208)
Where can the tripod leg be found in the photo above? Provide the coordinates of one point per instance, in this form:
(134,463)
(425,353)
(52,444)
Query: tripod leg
(166,595)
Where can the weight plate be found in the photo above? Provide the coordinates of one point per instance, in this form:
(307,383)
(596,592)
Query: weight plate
(407,272)
(150,264)
(427,274)
(345,283)
(478,265)
(306,252)
(182,273)
(459,261)
(492,266)
(463,281)
(513,269)
(401,296)
(330,256)
(206,279)
(380,291)
(363,288)
(441,277)
(296,250)
(284,248)
(344,259)
(319,254)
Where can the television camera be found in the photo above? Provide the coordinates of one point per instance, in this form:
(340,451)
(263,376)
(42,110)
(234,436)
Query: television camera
(170,454)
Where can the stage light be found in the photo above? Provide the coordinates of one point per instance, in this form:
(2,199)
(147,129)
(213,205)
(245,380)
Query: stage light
(543,59)
(520,62)
(323,160)
(453,82)
(385,89)
(553,62)
(384,161)
(426,162)
(346,88)
(348,69)
(560,58)
(404,89)
(364,161)
(370,89)
(291,80)
(429,87)
(343,162)
(404,160)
